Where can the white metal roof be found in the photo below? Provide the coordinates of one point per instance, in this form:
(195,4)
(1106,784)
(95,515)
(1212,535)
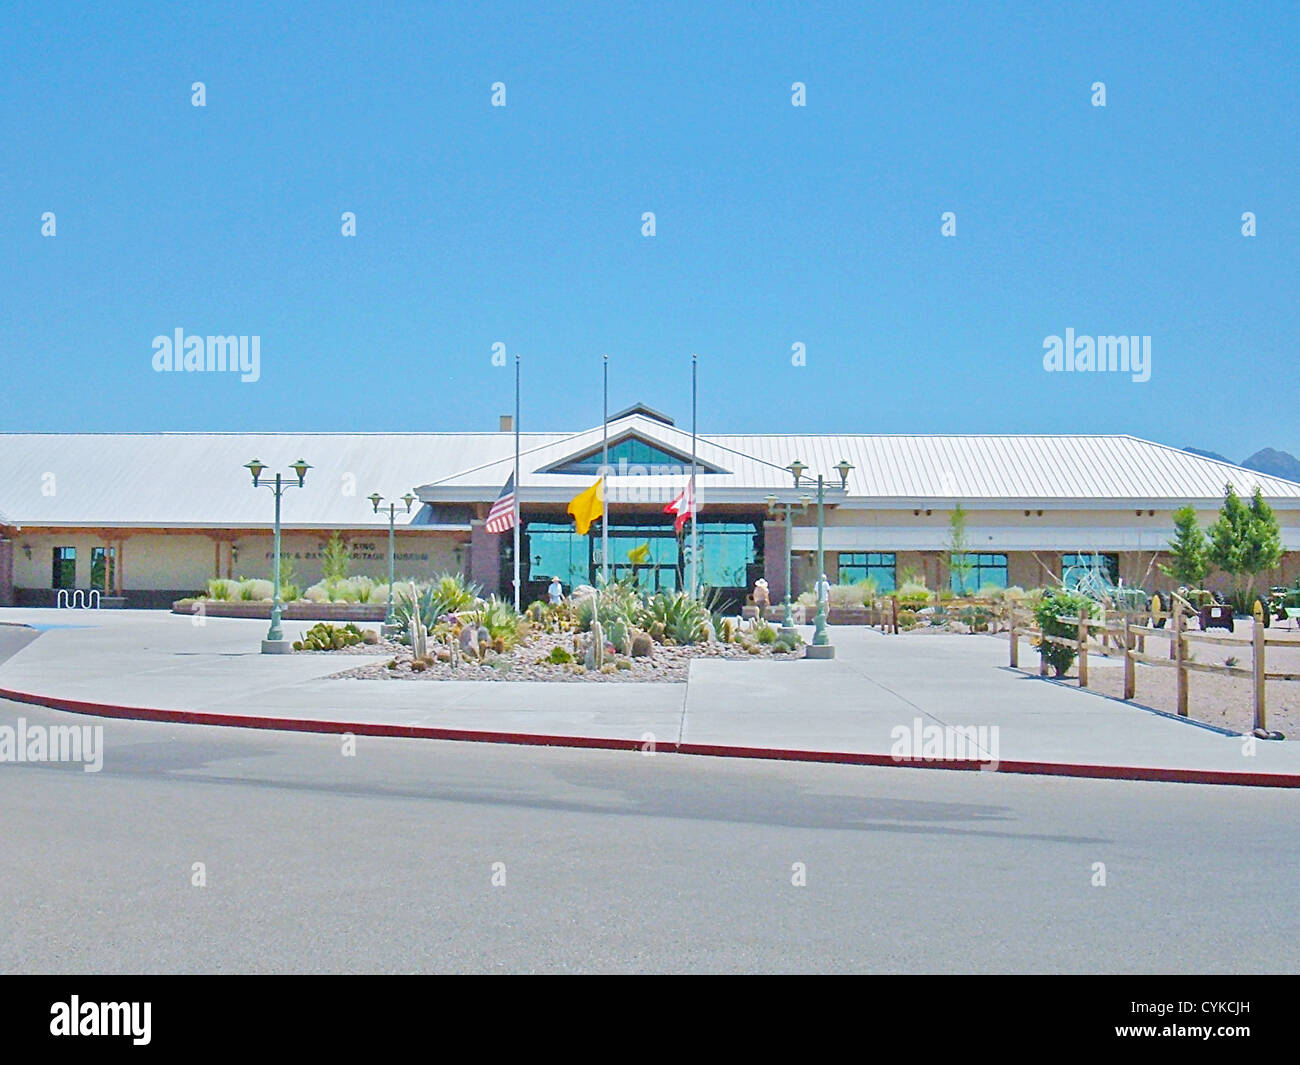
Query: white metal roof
(902,471)
(176,480)
(985,470)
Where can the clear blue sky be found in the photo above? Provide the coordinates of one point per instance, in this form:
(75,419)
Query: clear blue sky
(775,224)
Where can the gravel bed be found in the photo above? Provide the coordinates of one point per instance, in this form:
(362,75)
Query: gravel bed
(666,664)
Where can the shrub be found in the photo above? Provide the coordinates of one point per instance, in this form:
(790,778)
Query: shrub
(254,590)
(907,619)
(764,633)
(852,596)
(222,589)
(317,593)
(913,594)
(1055,604)
(558,657)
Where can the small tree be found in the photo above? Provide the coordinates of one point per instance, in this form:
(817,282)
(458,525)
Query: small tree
(959,563)
(1245,542)
(1189,549)
(335,558)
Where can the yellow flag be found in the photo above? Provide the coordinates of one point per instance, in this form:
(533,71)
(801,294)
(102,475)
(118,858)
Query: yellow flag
(586,506)
(639,556)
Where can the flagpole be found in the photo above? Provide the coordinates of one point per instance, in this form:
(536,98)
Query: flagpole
(604,495)
(517,584)
(695,540)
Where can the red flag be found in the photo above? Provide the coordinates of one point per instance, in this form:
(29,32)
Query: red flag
(682,506)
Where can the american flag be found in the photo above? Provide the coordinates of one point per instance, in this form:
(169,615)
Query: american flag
(502,515)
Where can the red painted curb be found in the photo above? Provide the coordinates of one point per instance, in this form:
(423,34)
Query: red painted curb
(289,724)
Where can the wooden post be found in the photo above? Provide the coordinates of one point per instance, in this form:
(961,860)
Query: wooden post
(1257,667)
(1176,612)
(1130,666)
(894,611)
(1083,651)
(1015,643)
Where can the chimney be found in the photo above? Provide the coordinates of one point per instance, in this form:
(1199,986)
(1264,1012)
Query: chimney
(507,423)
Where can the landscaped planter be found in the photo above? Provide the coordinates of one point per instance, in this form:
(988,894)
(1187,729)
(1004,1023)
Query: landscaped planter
(297,611)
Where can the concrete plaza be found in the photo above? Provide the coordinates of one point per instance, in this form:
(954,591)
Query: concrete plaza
(851,706)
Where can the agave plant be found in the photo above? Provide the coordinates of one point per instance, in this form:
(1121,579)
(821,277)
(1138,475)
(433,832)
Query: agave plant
(501,621)
(617,601)
(682,618)
(447,594)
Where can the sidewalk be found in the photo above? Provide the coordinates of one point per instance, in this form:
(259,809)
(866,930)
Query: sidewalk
(161,666)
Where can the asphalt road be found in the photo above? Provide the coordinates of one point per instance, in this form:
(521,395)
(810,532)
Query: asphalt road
(384,861)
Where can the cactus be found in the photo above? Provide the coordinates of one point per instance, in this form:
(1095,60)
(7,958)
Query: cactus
(419,636)
(642,645)
(597,644)
(620,635)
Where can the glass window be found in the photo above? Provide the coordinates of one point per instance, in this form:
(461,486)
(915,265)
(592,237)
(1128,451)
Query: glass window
(880,566)
(557,551)
(634,452)
(1076,567)
(726,553)
(981,571)
(101,568)
(65,567)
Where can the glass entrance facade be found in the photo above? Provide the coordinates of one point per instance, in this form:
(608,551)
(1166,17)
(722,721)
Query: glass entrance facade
(653,555)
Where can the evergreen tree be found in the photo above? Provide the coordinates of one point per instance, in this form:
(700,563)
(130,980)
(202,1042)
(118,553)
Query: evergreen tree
(1189,549)
(335,558)
(1245,542)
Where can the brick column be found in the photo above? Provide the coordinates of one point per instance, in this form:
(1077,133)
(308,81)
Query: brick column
(774,559)
(6,573)
(485,559)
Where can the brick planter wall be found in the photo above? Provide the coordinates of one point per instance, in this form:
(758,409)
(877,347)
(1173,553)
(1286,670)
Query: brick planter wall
(289,612)
(847,616)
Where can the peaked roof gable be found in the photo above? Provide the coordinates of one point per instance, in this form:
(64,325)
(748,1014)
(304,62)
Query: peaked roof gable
(630,449)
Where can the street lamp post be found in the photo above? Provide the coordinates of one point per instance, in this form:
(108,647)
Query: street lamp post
(821,644)
(275,643)
(788,510)
(375,499)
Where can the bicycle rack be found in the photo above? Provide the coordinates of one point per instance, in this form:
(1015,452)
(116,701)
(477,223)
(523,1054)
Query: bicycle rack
(78,599)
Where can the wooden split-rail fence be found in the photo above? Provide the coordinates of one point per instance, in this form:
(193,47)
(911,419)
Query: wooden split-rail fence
(1126,633)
